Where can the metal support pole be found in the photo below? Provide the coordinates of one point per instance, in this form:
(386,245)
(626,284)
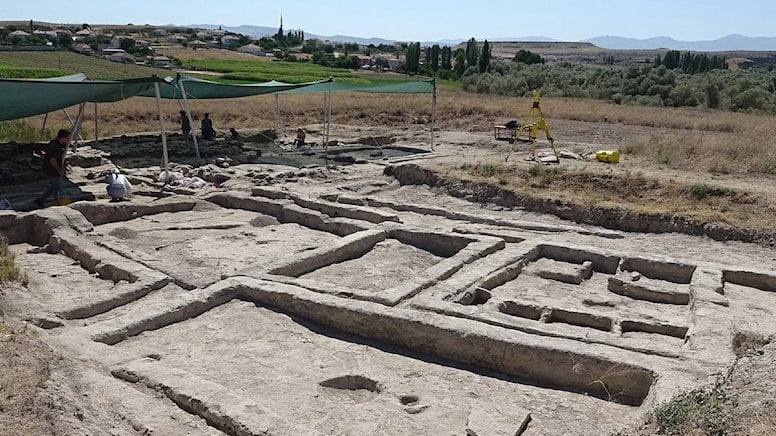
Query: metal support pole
(77,126)
(43,129)
(433,112)
(328,116)
(72,124)
(96,131)
(165,161)
(327,124)
(278,121)
(188,115)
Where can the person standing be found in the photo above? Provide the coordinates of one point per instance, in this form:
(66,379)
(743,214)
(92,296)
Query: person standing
(53,166)
(207,127)
(185,124)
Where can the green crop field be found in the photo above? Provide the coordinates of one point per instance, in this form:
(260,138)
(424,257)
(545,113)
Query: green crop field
(11,71)
(56,63)
(245,71)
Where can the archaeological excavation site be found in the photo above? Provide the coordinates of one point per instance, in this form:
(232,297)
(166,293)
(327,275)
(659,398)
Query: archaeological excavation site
(369,296)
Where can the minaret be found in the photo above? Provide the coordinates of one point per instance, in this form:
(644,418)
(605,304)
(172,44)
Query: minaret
(280,31)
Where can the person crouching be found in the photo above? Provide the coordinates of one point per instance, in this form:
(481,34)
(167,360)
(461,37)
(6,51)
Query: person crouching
(119,186)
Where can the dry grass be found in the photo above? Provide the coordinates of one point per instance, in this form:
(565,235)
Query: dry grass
(9,272)
(633,192)
(741,402)
(25,369)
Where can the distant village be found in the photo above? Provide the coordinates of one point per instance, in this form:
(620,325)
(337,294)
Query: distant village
(140,44)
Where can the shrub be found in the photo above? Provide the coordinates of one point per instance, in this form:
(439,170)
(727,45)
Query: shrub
(700,191)
(702,409)
(21,131)
(8,269)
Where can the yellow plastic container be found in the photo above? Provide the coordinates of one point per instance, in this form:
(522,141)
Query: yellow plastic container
(608,156)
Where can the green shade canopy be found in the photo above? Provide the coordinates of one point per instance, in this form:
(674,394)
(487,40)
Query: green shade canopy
(21,98)
(26,97)
(416,87)
(205,89)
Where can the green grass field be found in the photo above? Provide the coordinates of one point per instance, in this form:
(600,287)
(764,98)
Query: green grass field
(246,71)
(56,63)
(11,71)
(263,71)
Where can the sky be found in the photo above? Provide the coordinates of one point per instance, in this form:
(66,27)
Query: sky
(430,20)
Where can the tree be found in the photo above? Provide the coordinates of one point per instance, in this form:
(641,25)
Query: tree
(528,57)
(472,52)
(671,59)
(435,51)
(412,65)
(484,61)
(381,62)
(127,44)
(64,40)
(447,56)
(350,62)
(243,40)
(460,63)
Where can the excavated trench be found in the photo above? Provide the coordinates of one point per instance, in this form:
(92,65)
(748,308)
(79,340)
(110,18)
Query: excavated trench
(235,305)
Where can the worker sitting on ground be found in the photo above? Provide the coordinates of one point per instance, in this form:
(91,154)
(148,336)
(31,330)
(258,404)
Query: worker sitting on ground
(234,135)
(300,136)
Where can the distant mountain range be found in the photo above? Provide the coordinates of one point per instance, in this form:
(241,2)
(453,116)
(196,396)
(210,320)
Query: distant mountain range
(728,43)
(733,42)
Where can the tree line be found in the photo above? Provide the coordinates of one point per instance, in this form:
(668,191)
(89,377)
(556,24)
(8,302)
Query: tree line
(636,84)
(691,63)
(446,63)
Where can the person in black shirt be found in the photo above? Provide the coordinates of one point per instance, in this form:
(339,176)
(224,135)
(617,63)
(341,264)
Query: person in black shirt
(207,128)
(53,166)
(300,136)
(185,124)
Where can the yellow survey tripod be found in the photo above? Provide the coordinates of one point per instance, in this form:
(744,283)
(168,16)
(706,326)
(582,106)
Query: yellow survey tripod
(533,122)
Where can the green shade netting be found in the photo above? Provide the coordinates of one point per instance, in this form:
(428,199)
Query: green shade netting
(21,98)
(205,89)
(417,87)
(26,97)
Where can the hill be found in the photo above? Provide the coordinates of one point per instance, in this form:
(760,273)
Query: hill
(582,52)
(587,52)
(728,43)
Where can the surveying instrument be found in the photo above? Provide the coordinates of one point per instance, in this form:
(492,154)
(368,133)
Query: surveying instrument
(532,123)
